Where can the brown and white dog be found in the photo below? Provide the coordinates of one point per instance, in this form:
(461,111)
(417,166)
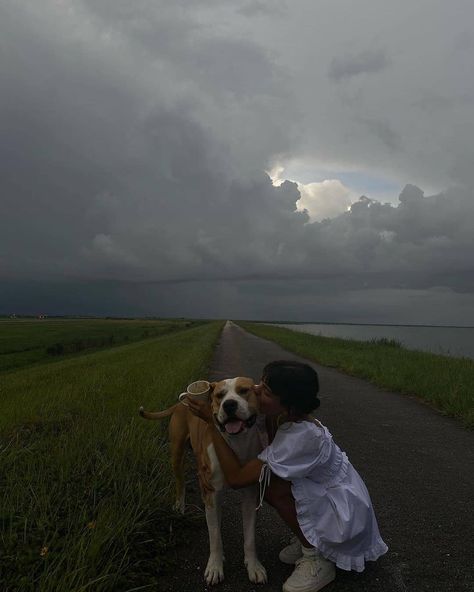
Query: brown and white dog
(235,409)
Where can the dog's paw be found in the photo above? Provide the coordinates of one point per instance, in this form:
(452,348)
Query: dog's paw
(214,570)
(257,573)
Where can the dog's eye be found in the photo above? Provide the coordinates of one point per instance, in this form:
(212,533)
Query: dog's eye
(243,391)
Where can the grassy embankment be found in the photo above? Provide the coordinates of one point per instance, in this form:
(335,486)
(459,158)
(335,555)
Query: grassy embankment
(85,483)
(442,381)
(24,342)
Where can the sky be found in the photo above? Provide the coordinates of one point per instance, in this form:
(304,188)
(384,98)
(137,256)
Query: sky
(304,160)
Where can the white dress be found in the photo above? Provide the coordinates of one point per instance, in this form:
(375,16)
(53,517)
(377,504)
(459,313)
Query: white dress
(333,505)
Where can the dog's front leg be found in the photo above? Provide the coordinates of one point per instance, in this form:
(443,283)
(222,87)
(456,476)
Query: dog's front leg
(257,573)
(215,566)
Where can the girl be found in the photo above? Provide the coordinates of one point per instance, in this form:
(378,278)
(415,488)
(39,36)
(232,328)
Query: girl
(310,481)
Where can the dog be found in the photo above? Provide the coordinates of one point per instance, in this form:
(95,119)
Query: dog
(235,408)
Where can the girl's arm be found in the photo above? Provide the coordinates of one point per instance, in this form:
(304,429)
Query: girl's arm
(235,474)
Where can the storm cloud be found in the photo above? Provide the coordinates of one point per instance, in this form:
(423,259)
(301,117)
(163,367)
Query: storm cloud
(353,65)
(136,139)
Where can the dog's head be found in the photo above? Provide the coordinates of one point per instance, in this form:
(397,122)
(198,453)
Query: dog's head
(234,404)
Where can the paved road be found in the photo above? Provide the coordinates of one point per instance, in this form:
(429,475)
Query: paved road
(417,465)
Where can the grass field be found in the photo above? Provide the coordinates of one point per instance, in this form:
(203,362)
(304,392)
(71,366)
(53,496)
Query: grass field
(85,482)
(442,381)
(24,342)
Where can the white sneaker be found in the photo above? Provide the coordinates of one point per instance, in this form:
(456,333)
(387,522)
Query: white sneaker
(310,574)
(292,552)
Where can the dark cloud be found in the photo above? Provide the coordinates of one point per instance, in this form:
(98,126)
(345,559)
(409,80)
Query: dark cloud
(135,138)
(367,62)
(384,132)
(256,8)
(296,300)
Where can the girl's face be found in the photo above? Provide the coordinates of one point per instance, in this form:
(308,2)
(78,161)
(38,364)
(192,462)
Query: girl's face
(269,402)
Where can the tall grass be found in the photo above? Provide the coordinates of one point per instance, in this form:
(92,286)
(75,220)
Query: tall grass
(444,382)
(84,482)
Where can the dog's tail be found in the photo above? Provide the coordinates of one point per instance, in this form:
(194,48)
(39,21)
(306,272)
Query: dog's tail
(157,414)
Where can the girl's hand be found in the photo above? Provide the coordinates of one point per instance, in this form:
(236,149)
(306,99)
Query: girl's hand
(201,409)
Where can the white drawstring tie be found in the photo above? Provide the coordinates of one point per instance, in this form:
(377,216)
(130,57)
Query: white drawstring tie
(263,483)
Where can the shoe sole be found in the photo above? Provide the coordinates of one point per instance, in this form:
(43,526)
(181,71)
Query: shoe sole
(327,580)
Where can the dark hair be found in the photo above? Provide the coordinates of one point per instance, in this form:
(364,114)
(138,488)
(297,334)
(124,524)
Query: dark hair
(295,383)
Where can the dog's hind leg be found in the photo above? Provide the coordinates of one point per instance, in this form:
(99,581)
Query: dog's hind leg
(256,572)
(178,432)
(215,566)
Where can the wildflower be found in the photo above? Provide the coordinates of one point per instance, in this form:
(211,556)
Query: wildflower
(91,525)
(44,551)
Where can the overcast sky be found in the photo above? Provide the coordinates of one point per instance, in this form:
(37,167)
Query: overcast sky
(294,160)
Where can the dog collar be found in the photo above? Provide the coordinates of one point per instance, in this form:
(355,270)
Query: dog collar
(251,421)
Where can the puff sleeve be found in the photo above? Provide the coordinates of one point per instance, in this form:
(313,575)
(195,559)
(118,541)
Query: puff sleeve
(296,450)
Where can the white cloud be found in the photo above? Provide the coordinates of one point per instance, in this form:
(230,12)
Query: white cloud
(326,199)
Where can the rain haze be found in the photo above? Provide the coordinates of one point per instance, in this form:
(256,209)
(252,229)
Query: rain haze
(306,161)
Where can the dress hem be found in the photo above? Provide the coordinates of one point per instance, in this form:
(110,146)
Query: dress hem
(343,561)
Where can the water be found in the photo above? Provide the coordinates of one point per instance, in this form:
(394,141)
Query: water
(449,341)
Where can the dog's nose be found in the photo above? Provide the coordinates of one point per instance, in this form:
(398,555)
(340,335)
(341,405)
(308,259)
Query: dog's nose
(230,407)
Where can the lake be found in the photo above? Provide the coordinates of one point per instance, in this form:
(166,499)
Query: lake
(449,341)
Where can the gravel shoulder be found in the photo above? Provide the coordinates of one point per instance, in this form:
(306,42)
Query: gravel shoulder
(417,464)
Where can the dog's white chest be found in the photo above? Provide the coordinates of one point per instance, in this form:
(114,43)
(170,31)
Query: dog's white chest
(246,446)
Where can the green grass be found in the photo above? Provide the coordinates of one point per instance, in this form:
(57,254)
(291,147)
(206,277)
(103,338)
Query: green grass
(24,342)
(444,382)
(85,483)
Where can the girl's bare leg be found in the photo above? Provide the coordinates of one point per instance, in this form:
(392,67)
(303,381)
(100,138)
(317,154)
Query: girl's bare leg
(278,494)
